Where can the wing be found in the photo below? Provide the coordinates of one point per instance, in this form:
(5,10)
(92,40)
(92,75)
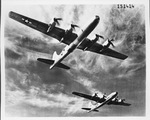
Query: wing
(98,48)
(50,62)
(56,32)
(90,109)
(96,99)
(114,102)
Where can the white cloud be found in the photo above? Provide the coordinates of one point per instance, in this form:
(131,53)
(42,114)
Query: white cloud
(76,107)
(85,82)
(14,97)
(127,63)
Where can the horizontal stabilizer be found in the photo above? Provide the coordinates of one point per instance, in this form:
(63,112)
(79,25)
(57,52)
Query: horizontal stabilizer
(51,62)
(47,61)
(62,66)
(90,109)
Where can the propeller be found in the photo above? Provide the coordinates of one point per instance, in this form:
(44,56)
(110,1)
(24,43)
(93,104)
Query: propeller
(99,36)
(123,100)
(104,95)
(116,98)
(73,26)
(56,20)
(110,41)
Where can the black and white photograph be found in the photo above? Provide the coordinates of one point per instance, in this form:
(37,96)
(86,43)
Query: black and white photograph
(74,60)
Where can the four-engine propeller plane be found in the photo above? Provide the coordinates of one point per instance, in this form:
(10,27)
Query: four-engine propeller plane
(70,38)
(110,99)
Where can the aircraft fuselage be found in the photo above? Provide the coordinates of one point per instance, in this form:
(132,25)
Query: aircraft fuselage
(81,36)
(108,99)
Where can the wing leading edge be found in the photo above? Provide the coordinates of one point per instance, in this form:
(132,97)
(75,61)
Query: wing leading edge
(83,95)
(89,97)
(56,32)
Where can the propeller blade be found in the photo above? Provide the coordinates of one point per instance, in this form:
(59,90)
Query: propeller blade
(56,20)
(104,95)
(116,98)
(99,36)
(73,26)
(113,45)
(110,41)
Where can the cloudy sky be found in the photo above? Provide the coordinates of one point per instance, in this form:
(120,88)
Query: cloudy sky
(32,90)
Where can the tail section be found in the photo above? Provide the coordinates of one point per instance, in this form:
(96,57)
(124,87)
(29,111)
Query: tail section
(89,109)
(61,65)
(55,56)
(51,62)
(47,61)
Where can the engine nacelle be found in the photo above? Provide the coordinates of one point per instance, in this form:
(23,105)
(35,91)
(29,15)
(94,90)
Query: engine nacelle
(55,22)
(114,99)
(121,100)
(95,95)
(107,43)
(68,32)
(93,41)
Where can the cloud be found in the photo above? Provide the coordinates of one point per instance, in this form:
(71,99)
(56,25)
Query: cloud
(40,98)
(85,82)
(50,100)
(14,97)
(76,107)
(40,89)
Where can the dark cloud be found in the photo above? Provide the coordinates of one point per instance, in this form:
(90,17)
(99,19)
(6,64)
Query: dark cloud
(11,54)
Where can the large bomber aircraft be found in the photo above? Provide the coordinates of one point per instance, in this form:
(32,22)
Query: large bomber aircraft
(71,39)
(111,99)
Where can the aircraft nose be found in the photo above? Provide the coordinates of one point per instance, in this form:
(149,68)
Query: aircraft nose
(116,93)
(97,17)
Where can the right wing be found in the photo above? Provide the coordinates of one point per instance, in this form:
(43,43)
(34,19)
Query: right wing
(96,99)
(56,32)
(98,48)
(113,102)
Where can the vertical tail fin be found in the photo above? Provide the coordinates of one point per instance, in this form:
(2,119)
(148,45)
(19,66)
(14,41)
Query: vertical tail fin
(55,55)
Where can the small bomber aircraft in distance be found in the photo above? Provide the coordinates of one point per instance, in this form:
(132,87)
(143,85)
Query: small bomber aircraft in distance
(111,99)
(70,38)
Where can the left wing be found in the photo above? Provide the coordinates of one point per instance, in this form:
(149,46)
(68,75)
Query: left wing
(56,32)
(114,102)
(98,48)
(96,99)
